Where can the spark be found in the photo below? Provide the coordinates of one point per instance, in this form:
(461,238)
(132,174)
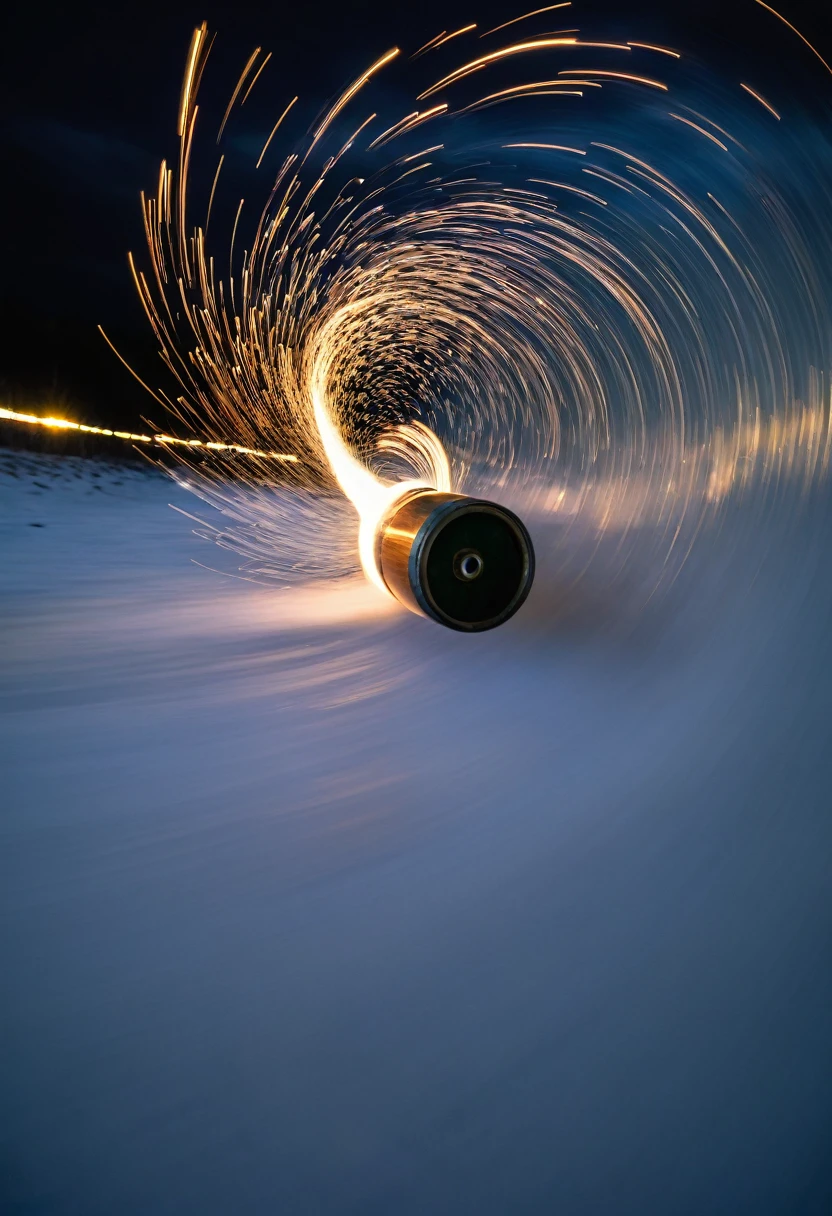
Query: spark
(249,65)
(701,130)
(663,50)
(427,46)
(191,76)
(539,88)
(274,131)
(466,29)
(349,93)
(66,424)
(794,30)
(214,189)
(549,148)
(536,12)
(484,60)
(255,78)
(654,84)
(761,100)
(572,189)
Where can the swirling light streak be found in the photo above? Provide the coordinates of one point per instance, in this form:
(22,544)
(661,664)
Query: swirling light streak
(796,31)
(468,315)
(534,13)
(761,100)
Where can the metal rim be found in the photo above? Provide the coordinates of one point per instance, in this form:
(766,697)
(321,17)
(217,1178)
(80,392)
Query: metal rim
(420,552)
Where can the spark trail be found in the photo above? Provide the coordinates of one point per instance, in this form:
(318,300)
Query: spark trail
(581,288)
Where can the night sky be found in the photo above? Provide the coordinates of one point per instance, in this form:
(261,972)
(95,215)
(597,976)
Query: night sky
(91,93)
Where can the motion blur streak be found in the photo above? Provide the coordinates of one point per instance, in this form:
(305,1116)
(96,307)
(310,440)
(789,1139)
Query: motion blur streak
(621,358)
(802,37)
(761,100)
(65,424)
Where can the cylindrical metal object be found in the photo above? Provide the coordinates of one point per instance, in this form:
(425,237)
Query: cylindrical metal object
(463,562)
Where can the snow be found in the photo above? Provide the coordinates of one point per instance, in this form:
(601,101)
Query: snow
(312,906)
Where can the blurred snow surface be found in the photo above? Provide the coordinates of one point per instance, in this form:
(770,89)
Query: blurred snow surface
(313,907)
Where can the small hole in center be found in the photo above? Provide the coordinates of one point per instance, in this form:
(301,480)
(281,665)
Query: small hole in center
(468,566)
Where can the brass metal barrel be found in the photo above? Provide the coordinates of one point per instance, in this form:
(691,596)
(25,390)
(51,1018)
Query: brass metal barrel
(464,562)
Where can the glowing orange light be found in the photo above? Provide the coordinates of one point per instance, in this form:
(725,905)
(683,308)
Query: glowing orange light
(66,424)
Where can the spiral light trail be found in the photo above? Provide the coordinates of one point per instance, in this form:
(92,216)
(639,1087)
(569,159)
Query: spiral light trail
(579,290)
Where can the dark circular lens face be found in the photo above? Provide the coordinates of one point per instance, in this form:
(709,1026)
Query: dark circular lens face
(475,566)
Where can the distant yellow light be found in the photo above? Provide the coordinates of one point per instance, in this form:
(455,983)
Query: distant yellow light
(65,424)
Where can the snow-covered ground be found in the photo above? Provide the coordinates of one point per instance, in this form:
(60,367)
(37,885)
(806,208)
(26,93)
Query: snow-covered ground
(314,907)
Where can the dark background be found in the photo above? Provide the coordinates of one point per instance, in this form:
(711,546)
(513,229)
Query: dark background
(89,110)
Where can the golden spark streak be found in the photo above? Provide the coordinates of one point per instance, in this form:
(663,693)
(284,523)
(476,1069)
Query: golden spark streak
(66,424)
(647,46)
(518,49)
(348,95)
(655,84)
(485,104)
(234,233)
(274,132)
(249,65)
(534,88)
(701,130)
(407,124)
(431,42)
(549,147)
(393,130)
(197,38)
(447,37)
(761,100)
(536,13)
(124,361)
(794,30)
(256,78)
(542,181)
(213,190)
(370,496)
(538,44)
